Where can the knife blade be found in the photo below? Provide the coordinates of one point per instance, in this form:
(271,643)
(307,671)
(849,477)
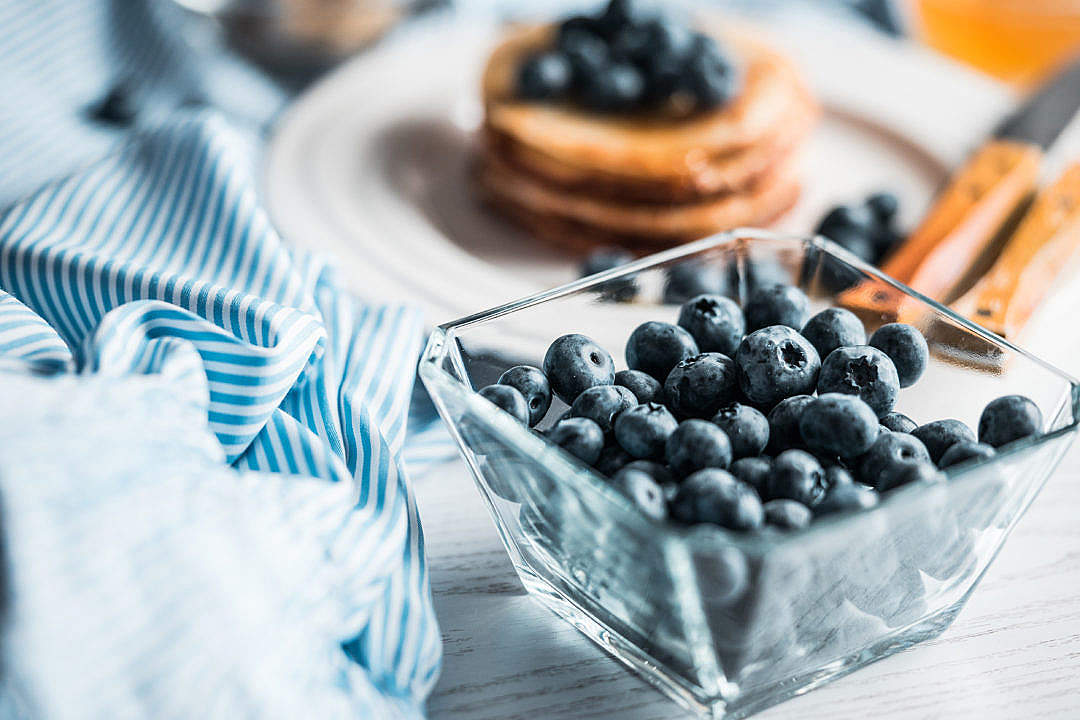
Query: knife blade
(980,205)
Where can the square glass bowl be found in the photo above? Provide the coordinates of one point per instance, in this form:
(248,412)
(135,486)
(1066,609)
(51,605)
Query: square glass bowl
(729,623)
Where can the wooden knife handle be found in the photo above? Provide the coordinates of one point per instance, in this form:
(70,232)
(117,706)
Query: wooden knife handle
(963,221)
(1042,246)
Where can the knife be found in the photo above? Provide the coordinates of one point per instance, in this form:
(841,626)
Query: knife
(1045,243)
(979,206)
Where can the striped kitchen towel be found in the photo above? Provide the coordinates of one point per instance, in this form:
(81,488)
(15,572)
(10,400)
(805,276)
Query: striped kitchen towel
(204,507)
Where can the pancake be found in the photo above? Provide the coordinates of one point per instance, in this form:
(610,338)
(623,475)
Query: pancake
(642,146)
(730,172)
(658,224)
(582,239)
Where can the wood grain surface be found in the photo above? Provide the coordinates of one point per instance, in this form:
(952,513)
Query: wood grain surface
(1014,652)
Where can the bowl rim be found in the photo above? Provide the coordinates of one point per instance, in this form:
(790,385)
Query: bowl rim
(533,445)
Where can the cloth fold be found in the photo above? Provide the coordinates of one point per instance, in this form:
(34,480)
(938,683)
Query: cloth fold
(206,510)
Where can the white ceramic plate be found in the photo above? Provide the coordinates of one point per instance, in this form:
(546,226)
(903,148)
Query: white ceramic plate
(371,164)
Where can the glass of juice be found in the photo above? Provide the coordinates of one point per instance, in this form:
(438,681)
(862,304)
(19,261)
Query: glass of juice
(1019,41)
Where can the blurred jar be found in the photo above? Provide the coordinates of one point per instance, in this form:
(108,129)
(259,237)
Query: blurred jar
(301,35)
(1019,41)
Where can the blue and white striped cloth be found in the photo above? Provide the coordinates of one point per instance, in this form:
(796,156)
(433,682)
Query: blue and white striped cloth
(205,507)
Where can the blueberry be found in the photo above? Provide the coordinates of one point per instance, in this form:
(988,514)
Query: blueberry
(577,24)
(533,386)
(776,305)
(544,76)
(906,347)
(898,422)
(962,452)
(884,206)
(838,424)
(602,404)
(884,240)
(775,363)
(696,445)
(584,50)
(645,387)
(657,347)
(643,491)
(784,432)
(836,475)
(620,290)
(508,399)
(940,435)
(746,428)
(699,385)
(797,475)
(715,322)
(643,430)
(712,83)
(580,437)
(714,496)
(692,278)
(860,243)
(911,472)
(884,465)
(846,497)
(604,259)
(856,217)
(1008,419)
(666,37)
(663,77)
(575,363)
(834,328)
(630,44)
(787,514)
(836,274)
(618,87)
(754,471)
(620,14)
(612,459)
(864,371)
(660,473)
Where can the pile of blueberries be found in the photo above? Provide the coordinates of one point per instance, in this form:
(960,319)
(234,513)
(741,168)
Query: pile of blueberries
(868,230)
(753,416)
(628,58)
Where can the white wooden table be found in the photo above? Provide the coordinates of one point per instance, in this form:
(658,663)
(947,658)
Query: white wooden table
(1014,652)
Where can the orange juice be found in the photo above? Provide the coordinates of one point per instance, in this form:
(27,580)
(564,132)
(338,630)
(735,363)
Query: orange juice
(1019,41)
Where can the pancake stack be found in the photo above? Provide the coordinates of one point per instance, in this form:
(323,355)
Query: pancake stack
(645,181)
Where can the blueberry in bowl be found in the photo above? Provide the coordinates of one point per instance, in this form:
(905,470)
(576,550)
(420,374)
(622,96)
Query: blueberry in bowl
(863,371)
(715,322)
(574,363)
(602,404)
(696,445)
(784,420)
(940,435)
(656,347)
(906,347)
(533,386)
(746,428)
(715,496)
(645,387)
(834,328)
(776,305)
(775,363)
(581,437)
(698,386)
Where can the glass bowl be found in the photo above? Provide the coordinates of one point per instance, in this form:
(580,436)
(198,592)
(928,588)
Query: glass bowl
(729,623)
